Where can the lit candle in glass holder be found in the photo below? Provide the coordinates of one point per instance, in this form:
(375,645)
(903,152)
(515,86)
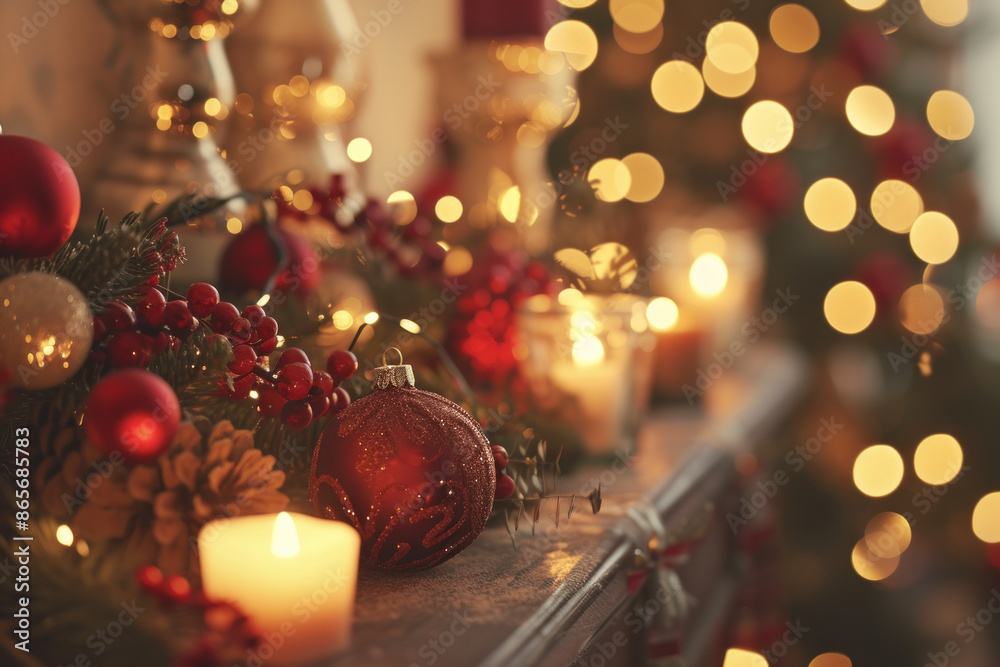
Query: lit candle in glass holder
(293,575)
(713,274)
(586,364)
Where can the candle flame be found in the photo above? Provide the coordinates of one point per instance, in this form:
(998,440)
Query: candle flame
(588,350)
(284,540)
(709,275)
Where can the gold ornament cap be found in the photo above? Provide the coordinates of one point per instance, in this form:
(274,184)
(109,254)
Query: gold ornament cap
(391,375)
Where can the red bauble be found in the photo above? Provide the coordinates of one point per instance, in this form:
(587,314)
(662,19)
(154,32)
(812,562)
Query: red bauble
(39,198)
(251,259)
(132,413)
(412,471)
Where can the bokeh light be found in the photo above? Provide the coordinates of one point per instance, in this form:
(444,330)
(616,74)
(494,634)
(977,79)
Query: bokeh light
(866,5)
(878,470)
(64,535)
(647,177)
(896,205)
(610,178)
(737,657)
(448,208)
(888,535)
(726,84)
(402,207)
(794,28)
(938,459)
(988,304)
(662,313)
(830,660)
(575,40)
(849,307)
(732,47)
(950,115)
(359,149)
(870,110)
(986,518)
(921,309)
(677,86)
(457,262)
(946,12)
(768,126)
(577,4)
(708,275)
(870,565)
(830,204)
(638,43)
(934,237)
(637,16)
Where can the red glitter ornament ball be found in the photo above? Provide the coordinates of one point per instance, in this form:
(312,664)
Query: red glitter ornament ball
(133,413)
(39,198)
(410,470)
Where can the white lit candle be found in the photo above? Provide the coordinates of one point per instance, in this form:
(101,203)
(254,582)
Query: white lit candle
(293,575)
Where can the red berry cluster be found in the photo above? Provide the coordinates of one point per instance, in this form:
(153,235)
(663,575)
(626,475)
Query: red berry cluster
(484,332)
(127,336)
(411,251)
(161,250)
(505,483)
(226,632)
(299,394)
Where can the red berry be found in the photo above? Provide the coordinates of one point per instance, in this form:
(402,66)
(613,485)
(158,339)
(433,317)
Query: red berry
(323,381)
(292,355)
(118,316)
(339,399)
(99,329)
(294,381)
(174,342)
(202,299)
(149,577)
(244,359)
(505,487)
(499,457)
(241,329)
(176,588)
(254,313)
(269,403)
(129,349)
(223,316)
(161,342)
(296,415)
(150,306)
(266,328)
(178,316)
(243,387)
(267,346)
(342,365)
(319,406)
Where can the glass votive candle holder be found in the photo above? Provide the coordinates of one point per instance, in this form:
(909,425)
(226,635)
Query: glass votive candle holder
(587,361)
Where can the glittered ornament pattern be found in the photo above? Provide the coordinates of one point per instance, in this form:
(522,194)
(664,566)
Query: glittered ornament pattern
(412,471)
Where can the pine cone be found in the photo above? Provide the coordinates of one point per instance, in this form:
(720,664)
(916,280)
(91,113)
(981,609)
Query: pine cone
(205,474)
(197,480)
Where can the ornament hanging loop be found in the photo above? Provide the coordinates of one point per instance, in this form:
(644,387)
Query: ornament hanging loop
(391,375)
(398,354)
